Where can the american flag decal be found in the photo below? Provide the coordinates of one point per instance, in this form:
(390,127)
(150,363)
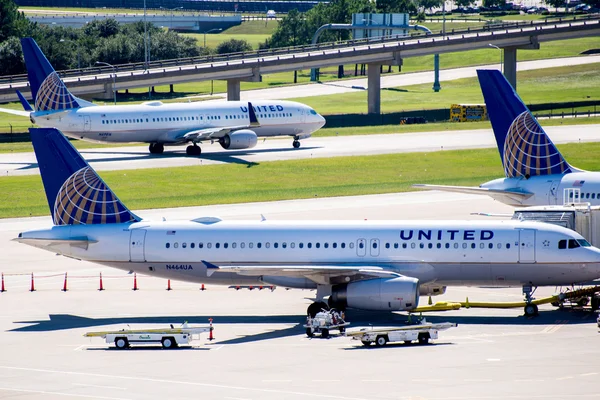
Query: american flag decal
(578,183)
(171,232)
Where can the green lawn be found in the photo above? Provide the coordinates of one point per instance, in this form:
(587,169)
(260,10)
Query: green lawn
(214,39)
(279,180)
(559,84)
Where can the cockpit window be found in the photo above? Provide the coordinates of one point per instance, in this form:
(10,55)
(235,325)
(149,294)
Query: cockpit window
(573,244)
(583,243)
(313,112)
(562,244)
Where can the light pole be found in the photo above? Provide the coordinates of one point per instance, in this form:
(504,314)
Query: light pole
(501,54)
(114,79)
(209,31)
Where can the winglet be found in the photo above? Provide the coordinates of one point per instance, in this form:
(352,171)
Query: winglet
(24,103)
(253,120)
(210,268)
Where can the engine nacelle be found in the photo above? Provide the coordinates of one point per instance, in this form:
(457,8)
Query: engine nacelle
(243,139)
(432,290)
(393,294)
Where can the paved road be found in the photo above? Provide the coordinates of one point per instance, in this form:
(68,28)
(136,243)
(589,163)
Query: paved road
(280,149)
(389,81)
(260,351)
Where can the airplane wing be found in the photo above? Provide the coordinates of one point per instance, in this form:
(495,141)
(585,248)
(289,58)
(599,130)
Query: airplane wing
(506,196)
(15,112)
(218,132)
(313,272)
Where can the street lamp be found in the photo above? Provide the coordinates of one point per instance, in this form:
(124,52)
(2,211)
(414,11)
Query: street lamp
(114,79)
(209,31)
(501,55)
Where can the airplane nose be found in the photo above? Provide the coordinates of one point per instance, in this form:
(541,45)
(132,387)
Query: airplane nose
(321,121)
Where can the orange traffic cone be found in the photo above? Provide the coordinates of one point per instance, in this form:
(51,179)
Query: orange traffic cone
(2,289)
(202,287)
(210,332)
(32,285)
(169,284)
(135,286)
(101,285)
(64,289)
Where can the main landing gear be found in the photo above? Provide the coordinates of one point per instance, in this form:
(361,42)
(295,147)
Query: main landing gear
(531,310)
(316,307)
(156,148)
(193,150)
(296,144)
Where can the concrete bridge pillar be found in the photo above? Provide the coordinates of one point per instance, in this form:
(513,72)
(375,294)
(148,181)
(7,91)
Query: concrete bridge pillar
(374,88)
(233,89)
(510,65)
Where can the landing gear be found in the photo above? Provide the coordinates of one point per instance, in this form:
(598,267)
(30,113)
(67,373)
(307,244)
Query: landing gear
(316,307)
(193,150)
(156,148)
(296,144)
(531,309)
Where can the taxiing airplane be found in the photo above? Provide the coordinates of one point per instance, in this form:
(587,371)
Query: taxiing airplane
(230,123)
(369,265)
(535,171)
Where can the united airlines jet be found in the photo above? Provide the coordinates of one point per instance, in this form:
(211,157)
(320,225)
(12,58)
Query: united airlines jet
(230,123)
(535,171)
(369,265)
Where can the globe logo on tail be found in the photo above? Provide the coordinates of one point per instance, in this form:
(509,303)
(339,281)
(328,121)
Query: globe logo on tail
(85,199)
(528,151)
(54,95)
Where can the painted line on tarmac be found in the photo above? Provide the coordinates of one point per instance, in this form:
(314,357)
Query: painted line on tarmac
(99,386)
(553,328)
(45,392)
(589,374)
(184,383)
(237,398)
(218,348)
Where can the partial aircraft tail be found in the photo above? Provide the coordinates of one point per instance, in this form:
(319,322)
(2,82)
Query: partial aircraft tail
(48,90)
(525,149)
(24,102)
(76,194)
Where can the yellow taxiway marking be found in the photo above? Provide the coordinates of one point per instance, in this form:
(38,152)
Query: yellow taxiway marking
(553,328)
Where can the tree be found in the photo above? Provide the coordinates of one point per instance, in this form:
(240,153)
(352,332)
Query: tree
(494,3)
(103,28)
(233,46)
(429,4)
(11,57)
(555,3)
(12,23)
(464,3)
(396,6)
(291,31)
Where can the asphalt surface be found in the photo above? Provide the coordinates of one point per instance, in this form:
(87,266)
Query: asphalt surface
(118,158)
(261,351)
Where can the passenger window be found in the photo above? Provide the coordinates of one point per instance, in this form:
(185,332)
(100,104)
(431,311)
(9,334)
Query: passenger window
(168,245)
(200,245)
(439,245)
(508,245)
(490,246)
(361,245)
(413,245)
(326,245)
(292,245)
(343,245)
(403,245)
(374,245)
(430,245)
(258,245)
(301,245)
(447,245)
(267,245)
(233,245)
(593,195)
(562,244)
(318,245)
(464,246)
(275,245)
(421,245)
(250,245)
(387,245)
(351,245)
(481,245)
(184,245)
(217,245)
(456,245)
(309,245)
(242,245)
(176,245)
(473,245)
(225,245)
(208,245)
(395,245)
(283,245)
(499,245)
(334,245)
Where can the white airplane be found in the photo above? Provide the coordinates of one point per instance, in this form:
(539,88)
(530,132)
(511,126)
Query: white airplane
(234,124)
(535,171)
(369,265)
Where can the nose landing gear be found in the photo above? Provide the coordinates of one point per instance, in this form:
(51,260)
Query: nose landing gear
(193,150)
(531,310)
(156,148)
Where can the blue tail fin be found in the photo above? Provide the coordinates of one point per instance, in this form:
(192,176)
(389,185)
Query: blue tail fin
(48,90)
(525,149)
(76,194)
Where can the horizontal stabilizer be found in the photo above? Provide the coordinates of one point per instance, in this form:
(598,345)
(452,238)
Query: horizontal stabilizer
(45,242)
(505,196)
(24,102)
(15,112)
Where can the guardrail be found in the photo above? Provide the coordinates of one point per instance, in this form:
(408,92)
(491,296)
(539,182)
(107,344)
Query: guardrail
(141,66)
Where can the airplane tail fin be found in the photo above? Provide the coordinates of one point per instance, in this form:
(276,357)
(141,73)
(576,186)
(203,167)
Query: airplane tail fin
(48,90)
(525,149)
(76,194)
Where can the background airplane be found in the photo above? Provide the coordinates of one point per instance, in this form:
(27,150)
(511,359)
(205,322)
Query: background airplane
(369,265)
(535,171)
(228,122)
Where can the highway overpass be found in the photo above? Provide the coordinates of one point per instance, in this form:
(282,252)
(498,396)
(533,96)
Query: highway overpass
(249,66)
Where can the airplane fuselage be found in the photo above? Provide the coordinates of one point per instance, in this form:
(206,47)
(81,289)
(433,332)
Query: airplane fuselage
(463,253)
(156,122)
(551,189)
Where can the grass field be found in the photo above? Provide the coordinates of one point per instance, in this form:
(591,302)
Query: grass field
(279,180)
(562,84)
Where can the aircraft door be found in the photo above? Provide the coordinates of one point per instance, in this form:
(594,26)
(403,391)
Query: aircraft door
(374,247)
(136,247)
(526,245)
(553,193)
(361,247)
(87,123)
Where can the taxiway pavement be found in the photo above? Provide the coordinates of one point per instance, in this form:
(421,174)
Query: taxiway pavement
(261,351)
(137,157)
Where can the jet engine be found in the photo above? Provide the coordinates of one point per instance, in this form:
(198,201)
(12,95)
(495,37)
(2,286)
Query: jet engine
(384,294)
(243,139)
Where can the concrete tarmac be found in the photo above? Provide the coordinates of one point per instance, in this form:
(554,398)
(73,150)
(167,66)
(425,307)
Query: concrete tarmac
(137,157)
(261,351)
